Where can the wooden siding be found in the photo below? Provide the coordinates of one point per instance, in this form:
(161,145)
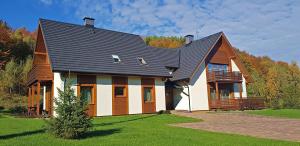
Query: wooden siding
(148,106)
(221,76)
(89,81)
(41,69)
(237,104)
(40,72)
(120,103)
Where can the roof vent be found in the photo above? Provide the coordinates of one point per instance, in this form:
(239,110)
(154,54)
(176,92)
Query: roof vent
(116,58)
(141,60)
(188,39)
(88,21)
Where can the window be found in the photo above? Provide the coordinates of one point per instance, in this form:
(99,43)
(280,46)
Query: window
(119,91)
(86,93)
(147,94)
(213,93)
(141,60)
(217,67)
(224,93)
(116,58)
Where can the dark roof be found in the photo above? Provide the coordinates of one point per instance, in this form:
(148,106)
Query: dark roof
(169,57)
(193,54)
(78,48)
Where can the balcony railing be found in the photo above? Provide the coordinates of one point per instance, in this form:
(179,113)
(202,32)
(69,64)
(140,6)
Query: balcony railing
(238,104)
(225,76)
(39,72)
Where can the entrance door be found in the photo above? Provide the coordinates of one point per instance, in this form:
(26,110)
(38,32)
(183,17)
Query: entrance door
(120,96)
(169,98)
(148,95)
(87,90)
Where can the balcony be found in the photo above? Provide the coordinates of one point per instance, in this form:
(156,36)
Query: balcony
(248,103)
(224,76)
(41,72)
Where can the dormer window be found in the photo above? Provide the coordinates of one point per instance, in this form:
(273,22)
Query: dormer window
(142,60)
(116,58)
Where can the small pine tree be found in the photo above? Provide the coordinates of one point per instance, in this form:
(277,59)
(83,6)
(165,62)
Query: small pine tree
(72,120)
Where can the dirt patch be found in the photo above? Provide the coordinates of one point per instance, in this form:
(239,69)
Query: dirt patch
(244,124)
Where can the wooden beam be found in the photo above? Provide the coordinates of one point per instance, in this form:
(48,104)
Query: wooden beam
(51,98)
(217,91)
(29,100)
(32,95)
(241,90)
(40,53)
(38,98)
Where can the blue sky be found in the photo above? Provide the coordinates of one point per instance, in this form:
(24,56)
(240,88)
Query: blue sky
(261,27)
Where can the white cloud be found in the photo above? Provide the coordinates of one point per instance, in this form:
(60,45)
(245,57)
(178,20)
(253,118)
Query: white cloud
(264,27)
(46,2)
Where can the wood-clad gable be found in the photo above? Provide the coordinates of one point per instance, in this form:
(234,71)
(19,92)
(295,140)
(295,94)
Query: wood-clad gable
(41,68)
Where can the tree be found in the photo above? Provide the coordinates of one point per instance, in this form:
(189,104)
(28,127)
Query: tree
(292,89)
(72,120)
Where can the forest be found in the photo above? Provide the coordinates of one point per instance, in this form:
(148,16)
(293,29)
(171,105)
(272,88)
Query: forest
(277,81)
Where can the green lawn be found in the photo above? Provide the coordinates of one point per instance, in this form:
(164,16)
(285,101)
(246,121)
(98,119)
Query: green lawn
(124,130)
(286,113)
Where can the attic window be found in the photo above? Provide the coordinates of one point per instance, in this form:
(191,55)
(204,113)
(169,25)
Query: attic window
(116,58)
(141,60)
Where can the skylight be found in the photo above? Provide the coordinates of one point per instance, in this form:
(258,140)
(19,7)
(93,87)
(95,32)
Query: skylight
(116,58)
(142,60)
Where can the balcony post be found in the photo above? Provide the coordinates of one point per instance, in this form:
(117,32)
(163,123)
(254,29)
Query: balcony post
(241,90)
(38,98)
(217,90)
(29,100)
(32,95)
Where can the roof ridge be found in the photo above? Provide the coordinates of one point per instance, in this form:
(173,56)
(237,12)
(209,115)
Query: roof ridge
(68,23)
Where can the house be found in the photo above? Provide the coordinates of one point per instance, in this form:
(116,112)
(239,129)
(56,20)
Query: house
(119,74)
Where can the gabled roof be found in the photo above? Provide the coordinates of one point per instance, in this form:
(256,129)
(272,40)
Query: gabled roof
(168,57)
(193,54)
(78,48)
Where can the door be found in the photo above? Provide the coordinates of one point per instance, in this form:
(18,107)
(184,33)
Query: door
(148,95)
(88,91)
(169,98)
(120,95)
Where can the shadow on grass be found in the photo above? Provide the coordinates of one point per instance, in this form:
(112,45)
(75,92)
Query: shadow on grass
(124,121)
(27,133)
(99,133)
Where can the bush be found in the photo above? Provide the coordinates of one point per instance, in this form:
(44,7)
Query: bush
(71,120)
(18,110)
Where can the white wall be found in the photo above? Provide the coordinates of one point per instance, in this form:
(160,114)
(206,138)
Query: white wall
(59,83)
(104,95)
(198,92)
(236,86)
(160,97)
(134,95)
(180,98)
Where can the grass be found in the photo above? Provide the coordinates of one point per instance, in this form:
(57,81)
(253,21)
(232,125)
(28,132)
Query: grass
(124,130)
(285,113)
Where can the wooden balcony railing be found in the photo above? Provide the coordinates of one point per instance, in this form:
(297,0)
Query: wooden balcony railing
(40,72)
(225,76)
(238,104)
